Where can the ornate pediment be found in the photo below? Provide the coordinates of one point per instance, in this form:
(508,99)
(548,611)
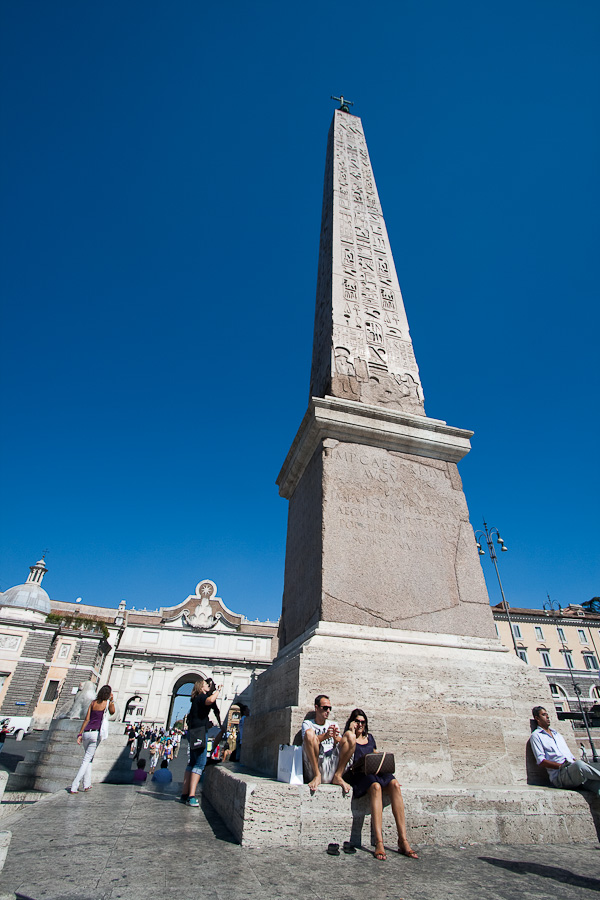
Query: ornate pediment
(202,610)
(202,616)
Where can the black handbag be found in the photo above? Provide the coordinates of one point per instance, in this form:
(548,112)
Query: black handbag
(197,738)
(375,764)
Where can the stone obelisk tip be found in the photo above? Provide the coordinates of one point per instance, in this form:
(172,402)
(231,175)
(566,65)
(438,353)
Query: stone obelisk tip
(362,348)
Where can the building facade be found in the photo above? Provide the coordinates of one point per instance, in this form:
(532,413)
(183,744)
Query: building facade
(564,644)
(149,657)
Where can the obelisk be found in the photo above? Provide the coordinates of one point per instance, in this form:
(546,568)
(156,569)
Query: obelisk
(384,606)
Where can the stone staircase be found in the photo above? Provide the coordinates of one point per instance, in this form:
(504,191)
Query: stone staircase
(52,761)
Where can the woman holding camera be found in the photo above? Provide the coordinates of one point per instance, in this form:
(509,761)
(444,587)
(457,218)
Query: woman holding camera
(198,724)
(374,786)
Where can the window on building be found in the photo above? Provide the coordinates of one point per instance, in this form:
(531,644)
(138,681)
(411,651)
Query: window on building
(568,659)
(558,707)
(51,691)
(3,677)
(582,637)
(197,640)
(554,690)
(517,631)
(546,659)
(539,634)
(150,637)
(561,634)
(523,655)
(590,661)
(595,693)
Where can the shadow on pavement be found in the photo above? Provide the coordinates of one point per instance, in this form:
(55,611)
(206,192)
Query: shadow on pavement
(218,827)
(14,752)
(553,872)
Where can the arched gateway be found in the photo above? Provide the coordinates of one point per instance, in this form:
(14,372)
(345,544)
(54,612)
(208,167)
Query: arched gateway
(182,690)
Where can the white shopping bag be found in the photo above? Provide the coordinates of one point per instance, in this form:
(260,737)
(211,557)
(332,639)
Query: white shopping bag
(289,764)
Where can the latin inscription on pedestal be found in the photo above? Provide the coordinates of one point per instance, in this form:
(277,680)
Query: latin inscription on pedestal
(398,545)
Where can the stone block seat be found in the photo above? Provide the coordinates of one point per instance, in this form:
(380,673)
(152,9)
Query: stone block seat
(262,812)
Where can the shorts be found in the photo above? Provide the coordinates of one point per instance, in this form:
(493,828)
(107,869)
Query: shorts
(328,763)
(197,760)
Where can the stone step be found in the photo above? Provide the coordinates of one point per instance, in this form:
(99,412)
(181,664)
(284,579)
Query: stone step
(261,813)
(52,763)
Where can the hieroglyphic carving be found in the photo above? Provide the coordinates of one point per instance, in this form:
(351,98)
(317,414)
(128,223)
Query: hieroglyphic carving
(364,294)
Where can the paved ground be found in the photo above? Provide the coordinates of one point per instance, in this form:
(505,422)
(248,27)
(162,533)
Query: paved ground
(123,842)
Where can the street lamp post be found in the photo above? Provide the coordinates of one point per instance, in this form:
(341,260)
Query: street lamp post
(555,609)
(488,534)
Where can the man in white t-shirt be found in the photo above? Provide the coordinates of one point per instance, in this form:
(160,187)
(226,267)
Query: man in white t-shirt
(325,751)
(551,753)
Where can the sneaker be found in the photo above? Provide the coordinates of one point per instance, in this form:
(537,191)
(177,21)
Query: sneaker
(184,798)
(192,802)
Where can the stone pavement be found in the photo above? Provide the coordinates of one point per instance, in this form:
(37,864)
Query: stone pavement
(131,843)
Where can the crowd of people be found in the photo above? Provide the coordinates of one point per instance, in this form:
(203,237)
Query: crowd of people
(162,743)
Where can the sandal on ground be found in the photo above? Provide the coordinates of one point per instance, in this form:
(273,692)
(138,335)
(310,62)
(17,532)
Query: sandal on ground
(71,791)
(333,849)
(406,850)
(379,851)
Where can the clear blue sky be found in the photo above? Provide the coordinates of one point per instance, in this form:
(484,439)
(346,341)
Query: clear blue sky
(161,194)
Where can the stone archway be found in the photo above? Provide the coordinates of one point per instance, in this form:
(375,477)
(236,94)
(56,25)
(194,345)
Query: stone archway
(182,688)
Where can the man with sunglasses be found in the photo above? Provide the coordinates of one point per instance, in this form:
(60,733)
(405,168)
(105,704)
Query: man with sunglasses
(324,751)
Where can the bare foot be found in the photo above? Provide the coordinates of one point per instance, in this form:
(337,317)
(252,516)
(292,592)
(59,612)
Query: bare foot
(314,784)
(405,849)
(346,788)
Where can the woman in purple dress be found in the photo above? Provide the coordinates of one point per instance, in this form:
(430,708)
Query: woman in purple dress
(374,786)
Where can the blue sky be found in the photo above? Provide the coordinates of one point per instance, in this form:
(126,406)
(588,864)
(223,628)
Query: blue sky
(161,194)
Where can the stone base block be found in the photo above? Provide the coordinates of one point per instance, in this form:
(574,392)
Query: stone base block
(432,699)
(265,813)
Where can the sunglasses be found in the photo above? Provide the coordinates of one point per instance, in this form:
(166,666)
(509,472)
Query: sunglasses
(325,707)
(361,721)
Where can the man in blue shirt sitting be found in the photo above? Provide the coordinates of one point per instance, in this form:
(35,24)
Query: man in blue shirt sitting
(551,753)
(163,775)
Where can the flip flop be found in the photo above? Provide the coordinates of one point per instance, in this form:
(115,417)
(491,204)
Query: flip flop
(379,854)
(348,847)
(333,849)
(412,854)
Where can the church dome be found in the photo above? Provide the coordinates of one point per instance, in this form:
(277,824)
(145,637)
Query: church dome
(27,596)
(30,595)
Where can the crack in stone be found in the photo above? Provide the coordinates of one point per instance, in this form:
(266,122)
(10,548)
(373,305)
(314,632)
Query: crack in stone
(361,608)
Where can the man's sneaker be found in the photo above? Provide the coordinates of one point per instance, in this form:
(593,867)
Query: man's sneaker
(193,802)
